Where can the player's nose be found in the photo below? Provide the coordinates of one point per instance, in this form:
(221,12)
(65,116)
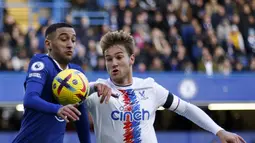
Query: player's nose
(114,62)
(70,46)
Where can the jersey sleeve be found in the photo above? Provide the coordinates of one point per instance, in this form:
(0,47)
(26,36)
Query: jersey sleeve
(34,84)
(161,94)
(37,71)
(90,102)
(32,99)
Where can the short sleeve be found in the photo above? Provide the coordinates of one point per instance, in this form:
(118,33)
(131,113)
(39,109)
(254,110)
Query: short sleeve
(161,94)
(90,101)
(37,71)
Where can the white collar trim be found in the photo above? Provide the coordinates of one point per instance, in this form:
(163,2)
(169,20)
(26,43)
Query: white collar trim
(59,65)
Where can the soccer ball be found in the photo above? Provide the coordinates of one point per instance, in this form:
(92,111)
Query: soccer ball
(70,87)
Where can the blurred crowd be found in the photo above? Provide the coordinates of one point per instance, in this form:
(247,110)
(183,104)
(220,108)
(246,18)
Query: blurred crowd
(209,36)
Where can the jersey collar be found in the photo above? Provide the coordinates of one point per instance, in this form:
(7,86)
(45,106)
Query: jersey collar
(58,64)
(119,86)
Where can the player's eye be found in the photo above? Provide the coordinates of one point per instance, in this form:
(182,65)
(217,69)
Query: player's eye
(63,39)
(73,40)
(108,59)
(119,57)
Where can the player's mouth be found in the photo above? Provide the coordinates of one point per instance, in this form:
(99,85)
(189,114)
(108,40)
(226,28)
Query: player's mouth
(115,72)
(69,53)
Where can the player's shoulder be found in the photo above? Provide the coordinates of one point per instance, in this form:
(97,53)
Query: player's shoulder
(143,82)
(136,80)
(39,62)
(41,58)
(148,80)
(103,81)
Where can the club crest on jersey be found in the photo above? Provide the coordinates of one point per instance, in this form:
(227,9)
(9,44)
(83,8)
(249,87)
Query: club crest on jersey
(142,95)
(37,66)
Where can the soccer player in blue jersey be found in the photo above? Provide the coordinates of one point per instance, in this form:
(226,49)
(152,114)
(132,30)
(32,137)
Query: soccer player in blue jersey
(44,120)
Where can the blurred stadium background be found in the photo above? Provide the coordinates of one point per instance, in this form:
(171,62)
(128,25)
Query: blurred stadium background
(201,50)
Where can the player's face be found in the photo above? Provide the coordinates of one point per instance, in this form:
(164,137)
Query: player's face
(63,44)
(119,64)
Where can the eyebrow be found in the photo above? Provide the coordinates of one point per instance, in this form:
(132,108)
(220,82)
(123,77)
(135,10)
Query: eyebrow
(114,54)
(65,34)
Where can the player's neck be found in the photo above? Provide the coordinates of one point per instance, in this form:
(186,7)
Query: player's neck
(61,65)
(125,82)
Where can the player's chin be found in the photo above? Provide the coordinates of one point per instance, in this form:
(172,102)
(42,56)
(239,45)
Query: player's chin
(69,55)
(68,58)
(114,77)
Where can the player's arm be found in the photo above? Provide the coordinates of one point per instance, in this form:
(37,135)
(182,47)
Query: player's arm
(32,99)
(191,112)
(200,118)
(102,90)
(35,82)
(34,85)
(92,88)
(82,125)
(171,102)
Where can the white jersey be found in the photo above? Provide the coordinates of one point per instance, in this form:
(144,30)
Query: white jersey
(129,117)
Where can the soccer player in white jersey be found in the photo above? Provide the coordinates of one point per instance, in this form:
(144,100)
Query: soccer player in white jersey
(129,117)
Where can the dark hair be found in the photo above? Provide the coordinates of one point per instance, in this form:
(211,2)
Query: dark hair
(52,28)
(118,37)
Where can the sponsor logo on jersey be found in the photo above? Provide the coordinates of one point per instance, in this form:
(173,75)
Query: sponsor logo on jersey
(139,115)
(37,75)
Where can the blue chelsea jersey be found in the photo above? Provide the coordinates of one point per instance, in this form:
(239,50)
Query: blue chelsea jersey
(38,126)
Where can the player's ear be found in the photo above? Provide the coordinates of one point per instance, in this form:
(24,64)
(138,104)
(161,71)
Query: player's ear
(47,44)
(132,59)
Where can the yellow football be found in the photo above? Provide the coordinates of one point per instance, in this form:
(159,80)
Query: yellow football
(70,86)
